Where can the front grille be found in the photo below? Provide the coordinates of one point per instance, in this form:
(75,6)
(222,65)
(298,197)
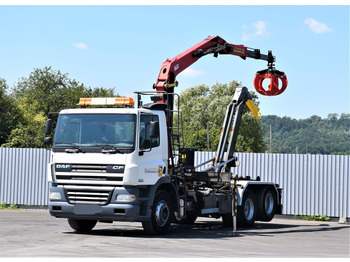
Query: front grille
(88,195)
(88,168)
(90,177)
(89,174)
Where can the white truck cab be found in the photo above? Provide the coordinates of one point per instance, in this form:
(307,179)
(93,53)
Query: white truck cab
(106,164)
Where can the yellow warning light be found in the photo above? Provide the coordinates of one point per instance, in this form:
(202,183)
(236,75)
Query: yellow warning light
(99,101)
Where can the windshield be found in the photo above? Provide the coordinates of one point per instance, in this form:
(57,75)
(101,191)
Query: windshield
(95,130)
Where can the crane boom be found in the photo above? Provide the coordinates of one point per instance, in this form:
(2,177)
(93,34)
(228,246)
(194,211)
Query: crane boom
(217,46)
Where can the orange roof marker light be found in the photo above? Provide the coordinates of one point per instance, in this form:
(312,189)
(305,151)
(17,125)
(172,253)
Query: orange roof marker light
(128,101)
(103,101)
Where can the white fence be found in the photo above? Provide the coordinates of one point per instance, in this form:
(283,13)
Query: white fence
(312,184)
(23,177)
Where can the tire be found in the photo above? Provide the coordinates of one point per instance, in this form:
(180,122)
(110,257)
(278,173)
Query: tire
(161,215)
(247,212)
(81,225)
(266,204)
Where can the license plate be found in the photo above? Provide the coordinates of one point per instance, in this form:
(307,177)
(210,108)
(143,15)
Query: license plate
(81,209)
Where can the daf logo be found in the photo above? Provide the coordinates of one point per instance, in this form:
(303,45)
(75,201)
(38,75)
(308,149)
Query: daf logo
(62,166)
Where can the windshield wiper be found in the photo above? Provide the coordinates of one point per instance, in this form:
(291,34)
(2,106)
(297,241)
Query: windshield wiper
(75,148)
(109,149)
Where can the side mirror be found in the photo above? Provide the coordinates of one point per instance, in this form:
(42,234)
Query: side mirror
(154,129)
(48,140)
(48,127)
(48,131)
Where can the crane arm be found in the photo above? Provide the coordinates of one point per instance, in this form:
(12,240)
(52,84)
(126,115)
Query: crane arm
(211,45)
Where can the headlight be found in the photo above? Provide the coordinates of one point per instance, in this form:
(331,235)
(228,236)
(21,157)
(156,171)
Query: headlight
(51,173)
(126,197)
(55,195)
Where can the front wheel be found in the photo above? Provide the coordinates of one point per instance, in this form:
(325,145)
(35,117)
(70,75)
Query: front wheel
(161,216)
(247,212)
(81,225)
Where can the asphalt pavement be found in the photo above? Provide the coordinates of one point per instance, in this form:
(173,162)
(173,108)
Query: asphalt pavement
(34,233)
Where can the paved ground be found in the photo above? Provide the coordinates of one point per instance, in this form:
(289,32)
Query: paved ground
(34,233)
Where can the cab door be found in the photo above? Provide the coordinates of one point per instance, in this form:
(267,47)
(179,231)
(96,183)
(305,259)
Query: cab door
(151,151)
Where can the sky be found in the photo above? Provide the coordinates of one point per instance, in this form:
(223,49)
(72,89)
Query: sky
(123,47)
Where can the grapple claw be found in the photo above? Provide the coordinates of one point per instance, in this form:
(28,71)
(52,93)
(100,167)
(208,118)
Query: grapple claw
(273,88)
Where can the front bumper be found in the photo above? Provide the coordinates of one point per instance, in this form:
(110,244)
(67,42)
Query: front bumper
(113,211)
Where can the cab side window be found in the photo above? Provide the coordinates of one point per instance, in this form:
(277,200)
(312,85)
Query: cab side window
(145,140)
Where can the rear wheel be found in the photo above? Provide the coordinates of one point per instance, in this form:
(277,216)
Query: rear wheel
(161,216)
(81,225)
(267,204)
(247,212)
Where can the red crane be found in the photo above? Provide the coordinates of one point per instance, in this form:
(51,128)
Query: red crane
(217,46)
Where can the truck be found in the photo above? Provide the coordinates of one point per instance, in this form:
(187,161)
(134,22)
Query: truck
(114,160)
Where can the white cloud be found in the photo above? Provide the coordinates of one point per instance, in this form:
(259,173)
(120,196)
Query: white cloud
(80,45)
(317,27)
(189,72)
(259,28)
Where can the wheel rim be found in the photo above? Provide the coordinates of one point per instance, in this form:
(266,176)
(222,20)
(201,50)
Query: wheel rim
(269,203)
(249,209)
(162,213)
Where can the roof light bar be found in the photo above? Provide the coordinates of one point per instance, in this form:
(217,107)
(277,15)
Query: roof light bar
(97,101)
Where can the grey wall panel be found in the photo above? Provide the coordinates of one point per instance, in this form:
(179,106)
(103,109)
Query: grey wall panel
(312,184)
(23,178)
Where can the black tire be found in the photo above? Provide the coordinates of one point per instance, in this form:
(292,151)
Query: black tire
(81,225)
(266,204)
(247,212)
(161,216)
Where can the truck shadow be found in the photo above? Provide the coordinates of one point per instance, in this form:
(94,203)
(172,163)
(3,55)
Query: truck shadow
(213,230)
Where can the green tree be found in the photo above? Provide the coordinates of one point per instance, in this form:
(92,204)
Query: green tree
(54,91)
(193,105)
(30,130)
(9,113)
(203,110)
(313,135)
(45,91)
(251,135)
